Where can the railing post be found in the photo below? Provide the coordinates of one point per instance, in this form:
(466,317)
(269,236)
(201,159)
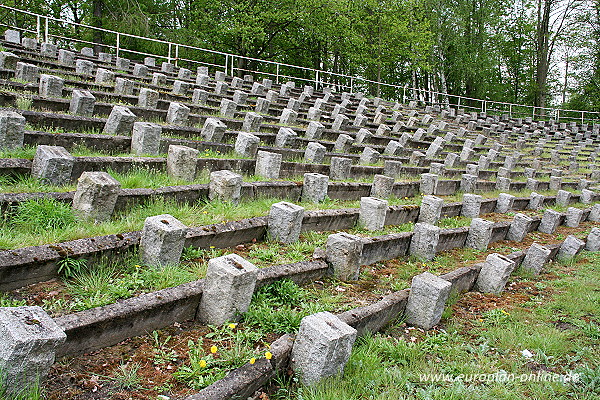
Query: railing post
(510,111)
(176,53)
(38,28)
(582,113)
(277,76)
(118,43)
(226,62)
(404,95)
(46,31)
(316,79)
(352,85)
(169,55)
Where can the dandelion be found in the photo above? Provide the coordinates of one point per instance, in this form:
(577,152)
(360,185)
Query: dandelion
(138,266)
(268,355)
(211,247)
(213,349)
(252,360)
(232,326)
(204,212)
(202,363)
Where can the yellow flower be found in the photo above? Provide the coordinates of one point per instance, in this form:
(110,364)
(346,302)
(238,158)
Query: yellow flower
(252,360)
(138,266)
(211,247)
(213,349)
(268,355)
(202,364)
(232,326)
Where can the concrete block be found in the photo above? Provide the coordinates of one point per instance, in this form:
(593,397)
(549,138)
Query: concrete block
(570,247)
(124,86)
(30,338)
(505,203)
(177,114)
(315,153)
(8,60)
(288,117)
(428,184)
(574,217)
(82,103)
(563,198)
(314,130)
(536,202)
(369,156)
(252,122)
(468,183)
(382,186)
(12,36)
(593,240)
(66,57)
(550,221)
(213,130)
(246,144)
(84,67)
(148,98)
(431,209)
(228,108)
(340,168)
(286,137)
(471,205)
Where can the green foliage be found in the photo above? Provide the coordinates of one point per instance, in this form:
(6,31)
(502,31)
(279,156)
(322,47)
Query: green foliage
(126,376)
(43,214)
(7,301)
(68,267)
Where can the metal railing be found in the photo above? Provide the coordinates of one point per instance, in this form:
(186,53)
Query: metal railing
(47,28)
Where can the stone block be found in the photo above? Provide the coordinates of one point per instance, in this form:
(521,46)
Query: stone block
(82,103)
(369,156)
(184,74)
(480,234)
(8,60)
(145,138)
(181,162)
(104,77)
(343,252)
(314,130)
(519,227)
(159,79)
(120,121)
(471,205)
(96,196)
(315,186)
(87,51)
(228,289)
(240,97)
(340,123)
(504,203)
(340,168)
(200,96)
(372,213)
(451,159)
(148,98)
(587,196)
(124,86)
(252,122)
(202,80)
(162,240)
(150,61)
(428,184)
(167,67)
(246,144)
(570,247)
(550,221)
(268,165)
(555,183)
(288,117)
(393,148)
(213,130)
(225,186)
(30,338)
(430,210)
(424,241)
(181,88)
(494,274)
(315,153)
(563,198)
(66,57)
(382,187)
(52,165)
(536,257)
(27,72)
(574,217)
(228,108)
(503,183)
(140,70)
(343,143)
(363,136)
(468,183)
(286,137)
(593,240)
(536,202)
(262,106)
(594,215)
(177,114)
(123,64)
(285,222)
(84,67)
(12,130)
(426,301)
(322,347)
(12,36)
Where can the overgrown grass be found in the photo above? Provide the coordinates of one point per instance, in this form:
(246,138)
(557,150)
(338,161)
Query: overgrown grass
(388,366)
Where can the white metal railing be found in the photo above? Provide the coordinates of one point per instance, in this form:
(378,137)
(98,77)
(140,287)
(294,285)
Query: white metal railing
(44,31)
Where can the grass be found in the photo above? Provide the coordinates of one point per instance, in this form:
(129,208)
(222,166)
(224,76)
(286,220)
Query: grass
(401,363)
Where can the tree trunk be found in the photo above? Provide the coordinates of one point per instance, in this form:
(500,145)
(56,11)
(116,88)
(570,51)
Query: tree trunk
(98,36)
(542,61)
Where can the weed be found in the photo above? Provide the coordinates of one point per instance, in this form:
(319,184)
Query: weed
(69,267)
(7,301)
(126,376)
(23,103)
(43,214)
